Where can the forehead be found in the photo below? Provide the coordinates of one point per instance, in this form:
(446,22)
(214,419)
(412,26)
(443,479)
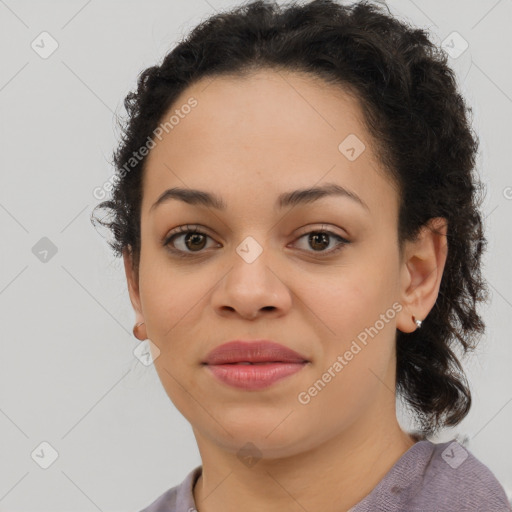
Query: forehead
(254,136)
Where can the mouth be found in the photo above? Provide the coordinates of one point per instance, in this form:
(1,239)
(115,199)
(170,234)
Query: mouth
(253,376)
(253,352)
(261,362)
(253,365)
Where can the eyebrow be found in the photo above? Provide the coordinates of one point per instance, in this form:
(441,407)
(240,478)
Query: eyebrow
(293,198)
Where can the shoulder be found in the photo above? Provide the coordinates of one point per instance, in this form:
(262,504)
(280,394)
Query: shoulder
(454,479)
(164,503)
(441,477)
(179,497)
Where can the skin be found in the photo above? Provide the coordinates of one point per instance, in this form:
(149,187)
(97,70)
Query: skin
(248,140)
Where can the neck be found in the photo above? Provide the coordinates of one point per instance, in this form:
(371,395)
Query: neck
(333,476)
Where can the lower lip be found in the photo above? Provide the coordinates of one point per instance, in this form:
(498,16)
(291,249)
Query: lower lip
(255,376)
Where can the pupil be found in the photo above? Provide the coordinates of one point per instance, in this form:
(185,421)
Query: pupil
(314,237)
(194,237)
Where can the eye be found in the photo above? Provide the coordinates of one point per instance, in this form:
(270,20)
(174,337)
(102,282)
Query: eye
(193,241)
(319,240)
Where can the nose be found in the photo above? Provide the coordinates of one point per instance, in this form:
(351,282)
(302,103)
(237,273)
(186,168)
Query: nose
(252,288)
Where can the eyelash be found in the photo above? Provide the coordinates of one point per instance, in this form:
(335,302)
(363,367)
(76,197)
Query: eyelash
(188,229)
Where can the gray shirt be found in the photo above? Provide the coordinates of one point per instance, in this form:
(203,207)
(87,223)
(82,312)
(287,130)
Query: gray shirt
(429,477)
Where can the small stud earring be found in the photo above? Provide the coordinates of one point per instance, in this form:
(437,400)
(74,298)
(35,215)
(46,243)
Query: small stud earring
(417,322)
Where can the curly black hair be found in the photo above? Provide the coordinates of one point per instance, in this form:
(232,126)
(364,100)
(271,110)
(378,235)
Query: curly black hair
(419,123)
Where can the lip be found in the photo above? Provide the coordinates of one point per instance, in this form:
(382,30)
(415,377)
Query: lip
(271,362)
(257,351)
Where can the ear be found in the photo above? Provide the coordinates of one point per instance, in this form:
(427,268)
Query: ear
(423,264)
(132,279)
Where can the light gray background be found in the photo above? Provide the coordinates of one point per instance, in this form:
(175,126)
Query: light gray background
(68,376)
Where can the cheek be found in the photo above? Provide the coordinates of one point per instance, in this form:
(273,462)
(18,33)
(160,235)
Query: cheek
(357,354)
(365,287)
(347,303)
(172,304)
(168,299)
(167,291)
(356,316)
(175,303)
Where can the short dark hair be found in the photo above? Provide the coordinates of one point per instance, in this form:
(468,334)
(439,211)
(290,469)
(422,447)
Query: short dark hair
(419,124)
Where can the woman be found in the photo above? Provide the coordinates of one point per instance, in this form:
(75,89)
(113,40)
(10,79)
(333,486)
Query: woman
(297,211)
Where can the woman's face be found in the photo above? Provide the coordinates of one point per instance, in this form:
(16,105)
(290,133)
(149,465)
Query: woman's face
(255,273)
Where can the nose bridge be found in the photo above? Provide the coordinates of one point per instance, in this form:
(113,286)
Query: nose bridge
(252,284)
(253,231)
(252,247)
(253,261)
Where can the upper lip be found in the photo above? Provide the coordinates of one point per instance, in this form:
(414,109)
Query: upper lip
(257,351)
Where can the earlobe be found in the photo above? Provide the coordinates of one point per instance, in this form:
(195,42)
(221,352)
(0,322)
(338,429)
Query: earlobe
(133,290)
(422,272)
